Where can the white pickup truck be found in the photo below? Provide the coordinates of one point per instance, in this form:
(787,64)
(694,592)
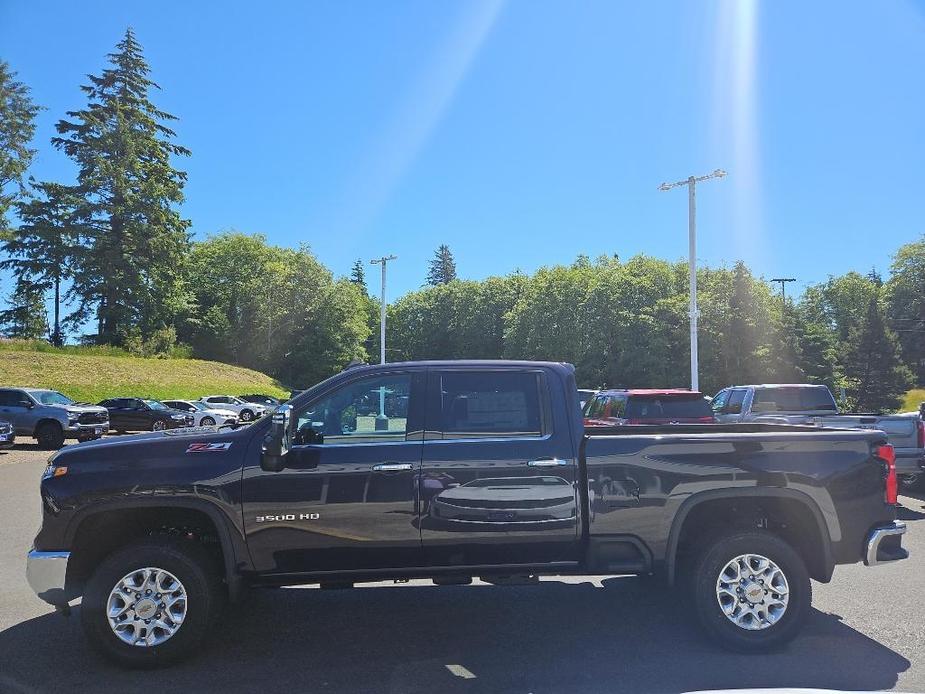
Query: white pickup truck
(804,403)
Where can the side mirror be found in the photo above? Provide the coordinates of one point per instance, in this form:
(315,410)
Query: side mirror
(277,441)
(28,404)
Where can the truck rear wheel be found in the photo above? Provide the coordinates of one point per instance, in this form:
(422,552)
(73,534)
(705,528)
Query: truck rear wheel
(151,603)
(50,436)
(751,591)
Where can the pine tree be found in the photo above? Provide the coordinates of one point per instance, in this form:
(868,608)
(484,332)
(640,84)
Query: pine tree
(878,378)
(358,275)
(41,250)
(442,267)
(26,318)
(135,239)
(17,126)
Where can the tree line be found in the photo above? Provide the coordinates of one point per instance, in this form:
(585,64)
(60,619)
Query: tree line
(113,248)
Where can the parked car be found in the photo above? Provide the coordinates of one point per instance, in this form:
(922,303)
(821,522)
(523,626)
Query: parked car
(646,406)
(7,434)
(793,403)
(246,411)
(267,401)
(203,415)
(139,414)
(153,532)
(803,403)
(906,433)
(51,417)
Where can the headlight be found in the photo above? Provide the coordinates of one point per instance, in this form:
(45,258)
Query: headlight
(178,417)
(53,470)
(73,417)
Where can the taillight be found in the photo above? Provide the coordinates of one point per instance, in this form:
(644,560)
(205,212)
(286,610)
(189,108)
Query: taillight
(888,456)
(921,434)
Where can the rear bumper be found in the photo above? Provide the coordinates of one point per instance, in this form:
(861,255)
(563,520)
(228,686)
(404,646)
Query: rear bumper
(884,544)
(46,573)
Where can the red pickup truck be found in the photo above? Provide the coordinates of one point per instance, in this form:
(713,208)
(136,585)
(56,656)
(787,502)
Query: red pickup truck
(647,406)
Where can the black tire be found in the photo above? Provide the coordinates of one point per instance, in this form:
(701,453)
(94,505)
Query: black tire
(247,416)
(185,559)
(206,422)
(713,559)
(50,436)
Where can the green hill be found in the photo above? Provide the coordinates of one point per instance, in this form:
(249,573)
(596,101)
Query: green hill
(913,399)
(92,374)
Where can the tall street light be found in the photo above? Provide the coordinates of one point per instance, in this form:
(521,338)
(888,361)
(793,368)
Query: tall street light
(783,283)
(382,422)
(691,184)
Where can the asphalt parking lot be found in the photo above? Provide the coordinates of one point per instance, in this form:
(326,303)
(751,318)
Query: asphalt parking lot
(867,632)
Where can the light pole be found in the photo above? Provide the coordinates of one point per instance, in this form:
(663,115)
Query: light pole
(382,422)
(783,282)
(691,184)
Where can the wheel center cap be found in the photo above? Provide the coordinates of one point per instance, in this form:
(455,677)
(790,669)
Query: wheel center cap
(754,592)
(145,608)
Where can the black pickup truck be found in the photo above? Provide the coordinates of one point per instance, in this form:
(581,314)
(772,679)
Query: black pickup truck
(449,470)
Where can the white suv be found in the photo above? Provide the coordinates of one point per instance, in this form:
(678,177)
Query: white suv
(247,411)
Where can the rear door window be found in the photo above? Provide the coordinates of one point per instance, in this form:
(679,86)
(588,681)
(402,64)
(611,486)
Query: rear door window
(487,404)
(668,407)
(793,399)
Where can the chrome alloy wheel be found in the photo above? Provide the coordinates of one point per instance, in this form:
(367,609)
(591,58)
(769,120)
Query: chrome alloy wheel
(752,592)
(146,607)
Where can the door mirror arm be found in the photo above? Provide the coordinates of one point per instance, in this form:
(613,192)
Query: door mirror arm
(277,441)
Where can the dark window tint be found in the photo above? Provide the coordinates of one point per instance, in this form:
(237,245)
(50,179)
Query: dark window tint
(793,399)
(736,398)
(490,403)
(12,398)
(668,407)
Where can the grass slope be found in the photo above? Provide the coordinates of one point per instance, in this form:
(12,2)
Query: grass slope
(93,377)
(912,400)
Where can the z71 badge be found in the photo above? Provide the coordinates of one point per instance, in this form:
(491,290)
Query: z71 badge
(208,447)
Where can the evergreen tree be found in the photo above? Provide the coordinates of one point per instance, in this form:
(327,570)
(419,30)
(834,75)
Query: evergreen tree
(442,267)
(358,275)
(876,375)
(26,318)
(42,248)
(17,126)
(136,241)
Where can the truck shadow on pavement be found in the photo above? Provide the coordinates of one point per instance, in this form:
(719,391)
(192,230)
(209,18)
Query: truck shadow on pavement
(627,635)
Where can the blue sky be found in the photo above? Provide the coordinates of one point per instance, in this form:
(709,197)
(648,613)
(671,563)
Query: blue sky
(525,132)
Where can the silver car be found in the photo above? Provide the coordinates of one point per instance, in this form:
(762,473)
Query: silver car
(246,411)
(51,417)
(203,415)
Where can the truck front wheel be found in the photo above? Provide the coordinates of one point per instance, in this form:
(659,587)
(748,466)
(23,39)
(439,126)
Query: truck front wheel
(751,591)
(50,436)
(151,603)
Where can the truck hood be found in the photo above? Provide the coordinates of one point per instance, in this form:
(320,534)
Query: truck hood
(79,407)
(137,447)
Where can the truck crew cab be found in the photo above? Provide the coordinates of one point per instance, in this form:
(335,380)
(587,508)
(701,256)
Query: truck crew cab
(448,470)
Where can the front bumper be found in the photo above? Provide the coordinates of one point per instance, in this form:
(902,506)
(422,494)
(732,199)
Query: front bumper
(7,440)
(884,544)
(46,573)
(79,431)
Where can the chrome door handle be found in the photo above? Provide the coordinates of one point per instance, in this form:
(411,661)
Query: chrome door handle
(392,467)
(547,462)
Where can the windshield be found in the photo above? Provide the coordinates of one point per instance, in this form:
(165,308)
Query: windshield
(155,404)
(793,399)
(51,397)
(199,405)
(668,407)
